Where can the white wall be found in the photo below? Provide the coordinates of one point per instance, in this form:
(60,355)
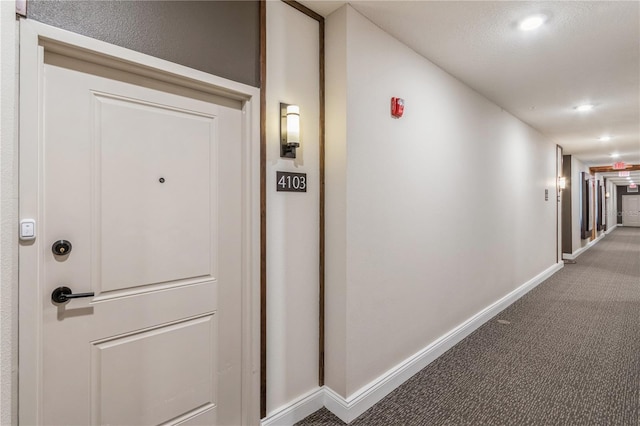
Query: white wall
(444,211)
(8,213)
(336,200)
(292,218)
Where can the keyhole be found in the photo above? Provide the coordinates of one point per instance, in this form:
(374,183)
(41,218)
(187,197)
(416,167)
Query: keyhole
(161,180)
(61,248)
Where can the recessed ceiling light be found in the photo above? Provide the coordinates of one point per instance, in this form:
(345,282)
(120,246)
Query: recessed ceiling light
(615,155)
(584,108)
(532,22)
(605,138)
(628,178)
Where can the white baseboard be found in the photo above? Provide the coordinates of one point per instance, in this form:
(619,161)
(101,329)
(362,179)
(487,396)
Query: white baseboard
(297,410)
(575,254)
(610,230)
(348,409)
(363,399)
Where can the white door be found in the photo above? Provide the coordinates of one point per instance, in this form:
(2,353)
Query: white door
(143,179)
(631,210)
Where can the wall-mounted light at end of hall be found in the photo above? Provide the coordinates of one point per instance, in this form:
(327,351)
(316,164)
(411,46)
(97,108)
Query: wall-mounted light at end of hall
(562,182)
(289,130)
(607,194)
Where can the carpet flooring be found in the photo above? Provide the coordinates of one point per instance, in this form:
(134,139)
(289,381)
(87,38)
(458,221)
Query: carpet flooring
(567,353)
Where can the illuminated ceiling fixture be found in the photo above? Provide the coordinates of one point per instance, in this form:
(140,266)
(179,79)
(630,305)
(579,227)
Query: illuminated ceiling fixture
(605,138)
(584,108)
(532,22)
(615,155)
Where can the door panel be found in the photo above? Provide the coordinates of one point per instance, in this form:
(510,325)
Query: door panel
(154,165)
(631,210)
(149,365)
(133,176)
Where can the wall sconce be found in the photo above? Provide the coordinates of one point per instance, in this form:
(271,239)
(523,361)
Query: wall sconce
(562,182)
(289,130)
(607,194)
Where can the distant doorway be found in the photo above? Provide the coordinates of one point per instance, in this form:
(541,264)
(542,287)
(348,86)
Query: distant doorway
(631,210)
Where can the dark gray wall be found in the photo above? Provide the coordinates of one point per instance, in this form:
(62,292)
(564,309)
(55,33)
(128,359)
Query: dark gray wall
(567,239)
(622,190)
(217,37)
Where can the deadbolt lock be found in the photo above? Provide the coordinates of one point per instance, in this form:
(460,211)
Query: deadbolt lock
(61,248)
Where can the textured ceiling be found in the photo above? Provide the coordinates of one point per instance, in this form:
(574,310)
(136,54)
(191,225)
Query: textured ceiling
(587,52)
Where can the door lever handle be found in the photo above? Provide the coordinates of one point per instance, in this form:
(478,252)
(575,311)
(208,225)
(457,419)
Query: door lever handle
(63,294)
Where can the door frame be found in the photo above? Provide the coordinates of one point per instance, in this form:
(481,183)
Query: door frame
(35,39)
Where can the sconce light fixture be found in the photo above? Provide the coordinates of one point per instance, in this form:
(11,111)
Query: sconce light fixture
(607,194)
(562,182)
(289,130)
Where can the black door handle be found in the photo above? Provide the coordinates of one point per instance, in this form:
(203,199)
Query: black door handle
(63,294)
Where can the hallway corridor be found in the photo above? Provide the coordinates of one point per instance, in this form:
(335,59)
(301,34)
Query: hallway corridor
(567,353)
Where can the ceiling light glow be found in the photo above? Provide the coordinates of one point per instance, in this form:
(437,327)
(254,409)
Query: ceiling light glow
(532,22)
(615,155)
(584,108)
(605,138)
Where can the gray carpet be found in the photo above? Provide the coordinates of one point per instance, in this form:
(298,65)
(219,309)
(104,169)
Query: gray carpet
(569,355)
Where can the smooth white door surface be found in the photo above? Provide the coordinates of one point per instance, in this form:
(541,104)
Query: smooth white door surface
(143,178)
(631,210)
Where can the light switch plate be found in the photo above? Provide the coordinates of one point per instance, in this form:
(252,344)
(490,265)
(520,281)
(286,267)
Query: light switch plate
(27,229)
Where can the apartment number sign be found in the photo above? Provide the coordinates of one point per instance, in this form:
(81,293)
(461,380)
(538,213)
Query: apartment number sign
(291,182)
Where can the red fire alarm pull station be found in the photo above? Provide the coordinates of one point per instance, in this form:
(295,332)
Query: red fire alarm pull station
(397,107)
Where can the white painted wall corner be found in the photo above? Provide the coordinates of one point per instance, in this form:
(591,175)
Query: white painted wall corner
(575,254)
(610,230)
(297,410)
(348,409)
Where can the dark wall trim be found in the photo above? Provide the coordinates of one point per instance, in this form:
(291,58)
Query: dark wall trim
(608,169)
(606,224)
(559,172)
(321,289)
(567,238)
(263,197)
(304,9)
(586,198)
(263,209)
(322,228)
